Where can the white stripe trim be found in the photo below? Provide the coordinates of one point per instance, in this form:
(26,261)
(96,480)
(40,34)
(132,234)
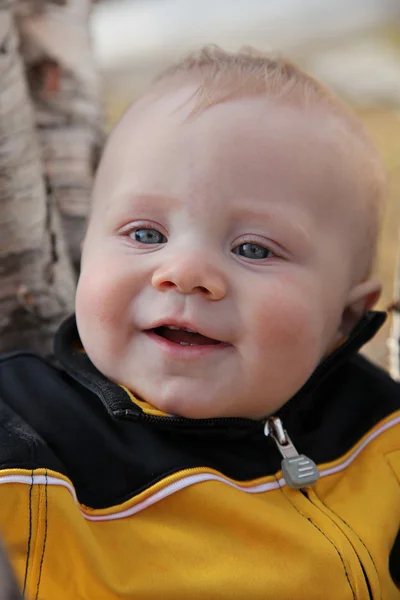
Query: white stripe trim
(365,443)
(39,480)
(187,481)
(180,485)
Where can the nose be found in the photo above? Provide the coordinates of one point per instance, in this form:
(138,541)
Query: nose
(190,274)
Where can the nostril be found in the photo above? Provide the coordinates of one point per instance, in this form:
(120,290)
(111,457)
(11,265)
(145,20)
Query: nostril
(201,280)
(168,284)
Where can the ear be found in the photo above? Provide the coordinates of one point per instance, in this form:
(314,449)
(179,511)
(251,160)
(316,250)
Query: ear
(362,298)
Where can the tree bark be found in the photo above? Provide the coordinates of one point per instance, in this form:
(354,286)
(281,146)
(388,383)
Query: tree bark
(64,88)
(36,278)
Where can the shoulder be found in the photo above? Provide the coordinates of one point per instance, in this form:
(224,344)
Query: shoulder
(25,364)
(360,394)
(360,399)
(362,378)
(25,379)
(29,386)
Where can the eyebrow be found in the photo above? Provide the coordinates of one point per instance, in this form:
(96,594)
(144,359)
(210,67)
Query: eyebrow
(144,200)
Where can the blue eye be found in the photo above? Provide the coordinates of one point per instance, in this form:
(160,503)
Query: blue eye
(254,251)
(148,236)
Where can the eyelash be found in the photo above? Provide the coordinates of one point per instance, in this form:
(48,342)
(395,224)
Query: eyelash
(142,225)
(251,240)
(255,242)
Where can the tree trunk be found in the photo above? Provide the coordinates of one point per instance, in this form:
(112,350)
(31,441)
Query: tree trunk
(64,88)
(36,278)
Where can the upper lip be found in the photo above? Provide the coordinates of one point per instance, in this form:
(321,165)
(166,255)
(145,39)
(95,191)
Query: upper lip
(184,325)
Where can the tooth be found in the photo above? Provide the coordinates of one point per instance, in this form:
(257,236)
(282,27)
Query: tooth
(185,344)
(172,327)
(190,330)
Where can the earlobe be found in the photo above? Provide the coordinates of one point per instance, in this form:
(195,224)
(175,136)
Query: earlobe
(362,298)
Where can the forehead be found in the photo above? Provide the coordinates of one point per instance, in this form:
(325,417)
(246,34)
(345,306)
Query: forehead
(248,146)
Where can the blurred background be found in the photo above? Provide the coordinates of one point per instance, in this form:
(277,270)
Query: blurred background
(354,47)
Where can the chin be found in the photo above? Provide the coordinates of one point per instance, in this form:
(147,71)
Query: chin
(190,400)
(181,407)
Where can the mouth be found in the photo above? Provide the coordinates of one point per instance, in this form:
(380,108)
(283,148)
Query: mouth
(183,336)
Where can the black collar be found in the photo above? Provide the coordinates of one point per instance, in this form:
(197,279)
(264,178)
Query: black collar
(362,333)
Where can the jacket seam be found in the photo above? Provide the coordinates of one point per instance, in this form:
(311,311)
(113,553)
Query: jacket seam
(357,536)
(326,537)
(44,536)
(337,550)
(28,551)
(37,543)
(386,455)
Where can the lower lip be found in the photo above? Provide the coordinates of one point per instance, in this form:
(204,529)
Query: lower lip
(186,352)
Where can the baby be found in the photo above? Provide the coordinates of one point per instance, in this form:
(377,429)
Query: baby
(210,431)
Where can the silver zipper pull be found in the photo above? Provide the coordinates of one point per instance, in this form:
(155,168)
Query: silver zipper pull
(298,470)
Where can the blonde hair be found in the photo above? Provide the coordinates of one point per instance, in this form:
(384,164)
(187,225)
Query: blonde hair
(227,75)
(222,76)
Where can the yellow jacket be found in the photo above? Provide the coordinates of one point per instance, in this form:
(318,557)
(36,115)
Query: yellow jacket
(104,497)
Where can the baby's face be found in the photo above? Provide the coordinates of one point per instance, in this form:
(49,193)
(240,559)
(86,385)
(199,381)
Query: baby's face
(231,225)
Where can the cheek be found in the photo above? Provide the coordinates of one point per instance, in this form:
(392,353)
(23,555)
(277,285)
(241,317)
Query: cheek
(102,310)
(104,292)
(287,322)
(286,327)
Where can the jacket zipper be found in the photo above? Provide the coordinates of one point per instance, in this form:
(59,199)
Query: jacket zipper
(298,470)
(239,422)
